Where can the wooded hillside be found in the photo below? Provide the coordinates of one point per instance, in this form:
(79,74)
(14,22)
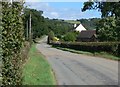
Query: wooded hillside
(42,26)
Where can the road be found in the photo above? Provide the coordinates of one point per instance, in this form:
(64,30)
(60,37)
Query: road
(77,69)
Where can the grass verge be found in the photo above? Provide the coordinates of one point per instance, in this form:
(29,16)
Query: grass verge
(101,54)
(37,70)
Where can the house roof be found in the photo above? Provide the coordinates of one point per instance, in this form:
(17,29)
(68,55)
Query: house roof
(80,28)
(87,33)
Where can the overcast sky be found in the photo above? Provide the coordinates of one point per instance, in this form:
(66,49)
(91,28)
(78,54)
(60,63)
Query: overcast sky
(63,10)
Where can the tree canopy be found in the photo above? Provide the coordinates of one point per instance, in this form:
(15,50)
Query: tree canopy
(108,28)
(42,26)
(89,24)
(106,8)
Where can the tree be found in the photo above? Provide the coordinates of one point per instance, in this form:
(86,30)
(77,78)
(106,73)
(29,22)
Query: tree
(89,24)
(42,26)
(51,35)
(70,36)
(108,27)
(37,21)
(106,8)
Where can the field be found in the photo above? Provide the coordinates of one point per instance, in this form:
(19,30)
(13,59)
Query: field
(37,70)
(72,21)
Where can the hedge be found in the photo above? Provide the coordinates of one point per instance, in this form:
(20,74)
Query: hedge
(109,47)
(12,43)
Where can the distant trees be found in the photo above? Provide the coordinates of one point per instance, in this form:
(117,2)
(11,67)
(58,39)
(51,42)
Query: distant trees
(89,24)
(57,26)
(43,26)
(37,21)
(108,28)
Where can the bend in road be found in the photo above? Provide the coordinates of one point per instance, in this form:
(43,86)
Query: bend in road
(77,69)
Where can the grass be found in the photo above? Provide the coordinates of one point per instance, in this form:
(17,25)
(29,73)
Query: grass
(107,55)
(101,54)
(72,21)
(37,70)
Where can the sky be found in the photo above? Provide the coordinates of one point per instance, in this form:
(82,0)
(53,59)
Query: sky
(63,10)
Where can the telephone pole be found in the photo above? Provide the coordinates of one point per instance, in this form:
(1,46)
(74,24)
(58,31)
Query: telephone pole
(30,34)
(27,31)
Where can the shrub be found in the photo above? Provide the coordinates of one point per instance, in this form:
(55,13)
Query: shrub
(70,36)
(51,35)
(12,43)
(109,47)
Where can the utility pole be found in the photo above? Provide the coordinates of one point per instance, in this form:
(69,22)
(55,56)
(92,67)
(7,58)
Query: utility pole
(27,31)
(30,34)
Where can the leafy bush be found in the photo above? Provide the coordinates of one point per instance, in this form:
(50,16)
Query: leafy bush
(12,42)
(51,35)
(106,29)
(70,36)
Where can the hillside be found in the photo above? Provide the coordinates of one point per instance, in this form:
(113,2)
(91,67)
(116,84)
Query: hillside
(42,26)
(72,21)
(89,24)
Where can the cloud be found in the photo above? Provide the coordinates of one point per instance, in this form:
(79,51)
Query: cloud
(54,14)
(32,0)
(67,13)
(51,15)
(38,5)
(56,0)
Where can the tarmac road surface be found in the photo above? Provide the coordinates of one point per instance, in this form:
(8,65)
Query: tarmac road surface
(77,69)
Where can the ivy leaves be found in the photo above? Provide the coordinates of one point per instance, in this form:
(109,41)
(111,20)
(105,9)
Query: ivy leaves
(12,41)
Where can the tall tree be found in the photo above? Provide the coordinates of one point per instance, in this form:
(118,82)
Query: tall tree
(106,29)
(42,26)
(111,19)
(106,8)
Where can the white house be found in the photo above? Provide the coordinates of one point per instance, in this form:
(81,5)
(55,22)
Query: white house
(79,28)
